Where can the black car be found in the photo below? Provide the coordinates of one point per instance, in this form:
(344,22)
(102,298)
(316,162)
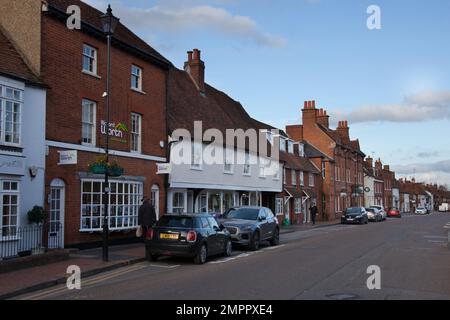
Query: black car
(355,215)
(251,225)
(187,235)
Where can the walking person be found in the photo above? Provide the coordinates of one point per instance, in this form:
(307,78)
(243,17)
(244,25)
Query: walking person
(146,216)
(313,211)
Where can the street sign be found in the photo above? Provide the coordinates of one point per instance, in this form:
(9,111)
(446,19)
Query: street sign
(163,168)
(68,157)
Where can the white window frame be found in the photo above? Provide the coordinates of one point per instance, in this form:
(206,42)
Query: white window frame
(136,133)
(282,144)
(290,144)
(277,174)
(179,208)
(16,124)
(302,178)
(247,168)
(262,167)
(298,205)
(228,161)
(293,177)
(15,192)
(93,58)
(92,125)
(130,208)
(136,73)
(279,206)
(301,150)
(312,181)
(196,155)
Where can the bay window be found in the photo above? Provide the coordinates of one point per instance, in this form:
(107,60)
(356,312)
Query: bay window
(178,202)
(124,201)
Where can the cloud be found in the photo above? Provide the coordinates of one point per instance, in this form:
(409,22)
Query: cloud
(176,19)
(424,106)
(440,166)
(424,155)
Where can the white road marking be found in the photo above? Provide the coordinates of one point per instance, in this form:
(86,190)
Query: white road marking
(435,237)
(245,254)
(164,266)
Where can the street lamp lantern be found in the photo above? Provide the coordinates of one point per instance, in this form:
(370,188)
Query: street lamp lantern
(109,21)
(109,24)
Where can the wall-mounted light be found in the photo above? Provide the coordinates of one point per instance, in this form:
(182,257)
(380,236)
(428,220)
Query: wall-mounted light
(33,171)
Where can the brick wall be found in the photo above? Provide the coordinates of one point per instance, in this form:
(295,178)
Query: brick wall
(61,70)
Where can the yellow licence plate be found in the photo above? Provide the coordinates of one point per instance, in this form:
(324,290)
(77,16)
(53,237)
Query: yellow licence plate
(168,236)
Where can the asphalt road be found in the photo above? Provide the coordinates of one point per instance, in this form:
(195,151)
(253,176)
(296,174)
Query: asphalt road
(323,263)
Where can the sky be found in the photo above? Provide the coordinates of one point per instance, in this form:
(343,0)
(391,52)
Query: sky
(391,84)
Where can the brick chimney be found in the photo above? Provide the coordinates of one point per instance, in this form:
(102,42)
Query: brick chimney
(295,132)
(323,118)
(387,168)
(343,130)
(309,114)
(196,69)
(369,162)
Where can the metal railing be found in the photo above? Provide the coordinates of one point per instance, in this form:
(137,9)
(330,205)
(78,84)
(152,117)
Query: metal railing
(30,239)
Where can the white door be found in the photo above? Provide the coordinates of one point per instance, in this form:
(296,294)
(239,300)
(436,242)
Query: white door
(155,199)
(56,215)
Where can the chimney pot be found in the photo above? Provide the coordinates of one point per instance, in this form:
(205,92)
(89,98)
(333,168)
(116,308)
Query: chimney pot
(305,105)
(313,104)
(196,55)
(189,56)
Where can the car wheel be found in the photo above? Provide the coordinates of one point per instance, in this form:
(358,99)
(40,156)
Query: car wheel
(228,249)
(201,256)
(276,238)
(154,257)
(254,242)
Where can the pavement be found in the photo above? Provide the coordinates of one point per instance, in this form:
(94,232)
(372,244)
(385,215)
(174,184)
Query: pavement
(310,263)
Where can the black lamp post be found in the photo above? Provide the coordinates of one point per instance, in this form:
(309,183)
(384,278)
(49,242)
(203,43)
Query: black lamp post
(109,24)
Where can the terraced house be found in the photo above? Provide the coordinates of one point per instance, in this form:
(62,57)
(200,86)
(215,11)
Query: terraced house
(342,168)
(201,187)
(73,65)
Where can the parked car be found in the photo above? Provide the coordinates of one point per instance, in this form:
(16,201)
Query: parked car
(394,212)
(250,225)
(196,236)
(421,210)
(373,214)
(383,212)
(355,215)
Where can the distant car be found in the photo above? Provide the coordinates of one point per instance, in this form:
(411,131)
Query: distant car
(250,225)
(355,215)
(196,236)
(421,210)
(382,211)
(394,212)
(373,214)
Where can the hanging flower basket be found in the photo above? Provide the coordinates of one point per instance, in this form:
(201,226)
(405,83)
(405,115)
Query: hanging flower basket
(98,168)
(115,171)
(101,166)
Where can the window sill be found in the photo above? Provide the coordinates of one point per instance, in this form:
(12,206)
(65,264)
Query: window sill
(247,174)
(228,172)
(138,91)
(91,74)
(197,168)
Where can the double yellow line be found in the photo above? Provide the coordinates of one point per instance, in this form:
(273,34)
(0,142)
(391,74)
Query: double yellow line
(86,283)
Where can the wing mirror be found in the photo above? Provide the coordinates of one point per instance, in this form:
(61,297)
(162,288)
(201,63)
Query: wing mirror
(262,218)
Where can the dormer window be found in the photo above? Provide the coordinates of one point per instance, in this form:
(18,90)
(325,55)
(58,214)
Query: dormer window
(301,150)
(282,144)
(290,146)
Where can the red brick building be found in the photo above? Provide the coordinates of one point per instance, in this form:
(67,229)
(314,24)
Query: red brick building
(73,65)
(343,168)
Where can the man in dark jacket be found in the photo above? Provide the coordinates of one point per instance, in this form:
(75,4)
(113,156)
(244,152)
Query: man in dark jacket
(146,216)
(313,210)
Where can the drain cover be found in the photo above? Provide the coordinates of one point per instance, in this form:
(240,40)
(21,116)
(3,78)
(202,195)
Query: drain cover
(342,296)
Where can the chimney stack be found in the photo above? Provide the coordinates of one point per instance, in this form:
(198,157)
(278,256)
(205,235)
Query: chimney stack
(369,162)
(343,130)
(387,167)
(196,69)
(309,114)
(323,118)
